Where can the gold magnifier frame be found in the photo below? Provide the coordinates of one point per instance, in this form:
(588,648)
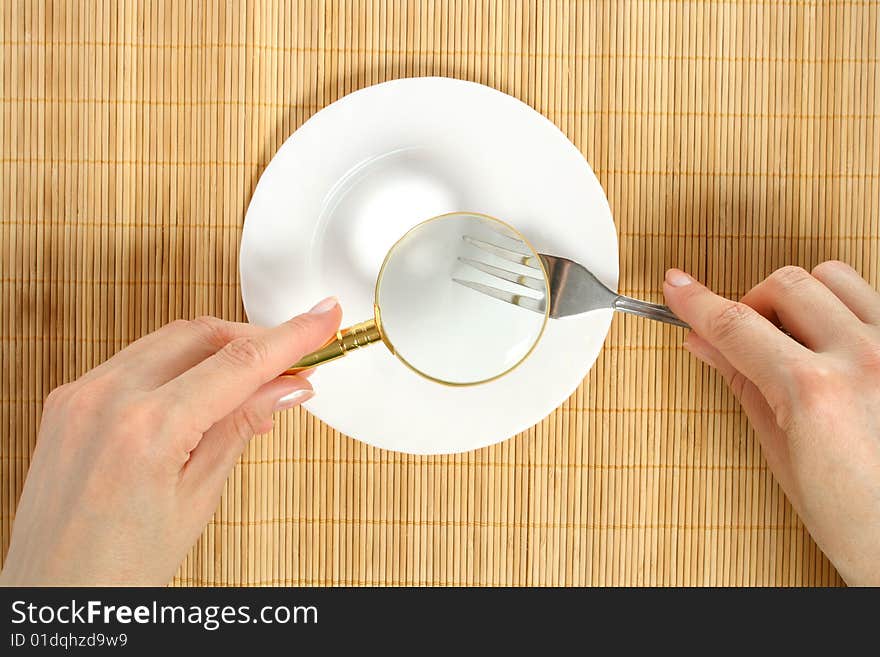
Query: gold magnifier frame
(371,331)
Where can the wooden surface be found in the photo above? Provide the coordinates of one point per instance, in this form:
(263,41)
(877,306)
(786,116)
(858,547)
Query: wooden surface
(731,138)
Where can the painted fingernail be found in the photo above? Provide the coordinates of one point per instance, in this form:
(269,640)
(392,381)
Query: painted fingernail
(677,278)
(294,399)
(324,306)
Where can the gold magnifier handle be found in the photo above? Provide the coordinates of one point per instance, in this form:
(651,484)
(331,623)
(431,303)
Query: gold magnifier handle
(354,337)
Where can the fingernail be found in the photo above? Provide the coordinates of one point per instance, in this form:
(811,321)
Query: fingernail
(324,306)
(294,398)
(677,278)
(698,352)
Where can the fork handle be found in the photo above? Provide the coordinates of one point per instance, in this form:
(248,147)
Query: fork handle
(646,309)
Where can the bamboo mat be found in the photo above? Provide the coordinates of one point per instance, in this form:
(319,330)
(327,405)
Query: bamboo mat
(731,138)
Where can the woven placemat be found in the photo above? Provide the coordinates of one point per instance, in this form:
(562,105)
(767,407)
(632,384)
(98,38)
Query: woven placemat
(731,138)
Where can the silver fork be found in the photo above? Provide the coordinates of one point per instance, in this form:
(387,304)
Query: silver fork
(573,288)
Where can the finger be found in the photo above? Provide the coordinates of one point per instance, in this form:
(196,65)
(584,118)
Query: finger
(749,342)
(222,382)
(158,357)
(743,389)
(760,414)
(804,306)
(185,344)
(853,290)
(215,455)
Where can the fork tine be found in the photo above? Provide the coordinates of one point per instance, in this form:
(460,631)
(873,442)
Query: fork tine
(521,247)
(519,257)
(520,279)
(529,303)
(510,237)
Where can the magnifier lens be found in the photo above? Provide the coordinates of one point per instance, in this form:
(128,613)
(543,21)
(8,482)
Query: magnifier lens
(445,330)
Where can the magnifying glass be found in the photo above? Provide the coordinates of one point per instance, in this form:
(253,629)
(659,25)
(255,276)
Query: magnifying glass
(446,332)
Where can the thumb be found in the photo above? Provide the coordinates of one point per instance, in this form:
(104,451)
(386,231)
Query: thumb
(225,380)
(749,342)
(209,463)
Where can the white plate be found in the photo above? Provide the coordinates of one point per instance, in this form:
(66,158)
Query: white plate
(361,172)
